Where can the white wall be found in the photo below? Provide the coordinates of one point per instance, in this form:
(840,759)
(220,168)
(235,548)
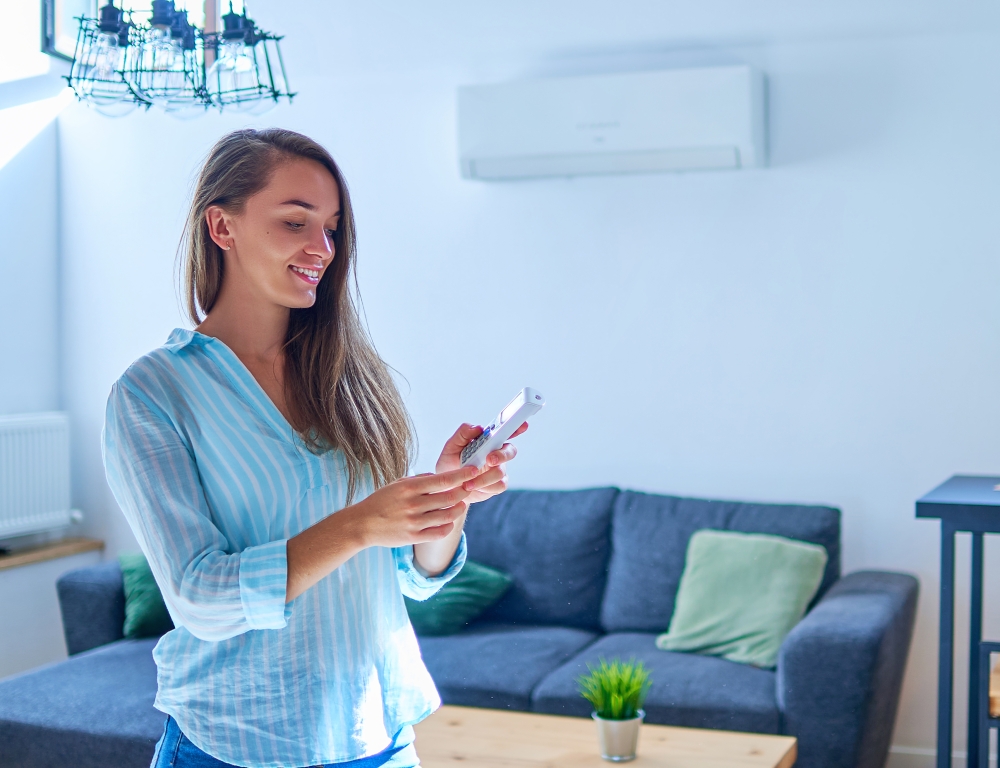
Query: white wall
(30,625)
(31,632)
(29,278)
(821,330)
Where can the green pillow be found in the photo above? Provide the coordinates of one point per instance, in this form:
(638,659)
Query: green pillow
(145,612)
(474,589)
(741,594)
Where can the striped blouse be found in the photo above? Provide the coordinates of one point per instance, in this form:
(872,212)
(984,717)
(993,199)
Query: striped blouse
(214,481)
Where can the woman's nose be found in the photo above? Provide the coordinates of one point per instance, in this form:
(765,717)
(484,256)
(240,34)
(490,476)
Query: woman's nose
(321,245)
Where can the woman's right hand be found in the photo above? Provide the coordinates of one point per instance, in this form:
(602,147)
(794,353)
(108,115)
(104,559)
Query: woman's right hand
(408,511)
(413,509)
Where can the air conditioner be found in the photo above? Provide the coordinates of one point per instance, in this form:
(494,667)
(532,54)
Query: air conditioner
(672,120)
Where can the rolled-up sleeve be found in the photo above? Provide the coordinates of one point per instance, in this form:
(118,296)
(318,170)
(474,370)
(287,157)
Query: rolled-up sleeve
(417,586)
(211,591)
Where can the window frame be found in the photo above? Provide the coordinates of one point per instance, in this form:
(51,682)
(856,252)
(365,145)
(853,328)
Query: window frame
(53,21)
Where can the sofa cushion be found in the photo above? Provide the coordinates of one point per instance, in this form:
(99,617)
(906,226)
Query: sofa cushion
(687,690)
(469,594)
(498,665)
(93,710)
(649,539)
(146,614)
(554,544)
(741,594)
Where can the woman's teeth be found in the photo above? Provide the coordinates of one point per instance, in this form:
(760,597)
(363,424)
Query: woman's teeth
(313,273)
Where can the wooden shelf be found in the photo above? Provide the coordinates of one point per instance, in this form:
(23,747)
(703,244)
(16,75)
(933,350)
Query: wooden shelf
(50,551)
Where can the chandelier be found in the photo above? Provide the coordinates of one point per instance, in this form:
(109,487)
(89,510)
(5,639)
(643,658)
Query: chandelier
(121,63)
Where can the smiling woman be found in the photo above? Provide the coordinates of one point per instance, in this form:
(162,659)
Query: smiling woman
(270,212)
(260,460)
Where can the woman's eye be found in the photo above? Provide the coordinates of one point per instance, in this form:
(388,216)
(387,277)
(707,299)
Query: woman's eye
(294,225)
(331,233)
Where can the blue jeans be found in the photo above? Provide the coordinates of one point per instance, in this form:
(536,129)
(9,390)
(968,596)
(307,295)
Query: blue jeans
(175,750)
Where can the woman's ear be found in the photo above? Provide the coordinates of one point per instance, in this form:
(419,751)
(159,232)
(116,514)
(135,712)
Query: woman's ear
(219,227)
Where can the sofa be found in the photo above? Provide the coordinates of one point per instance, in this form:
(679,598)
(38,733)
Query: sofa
(595,573)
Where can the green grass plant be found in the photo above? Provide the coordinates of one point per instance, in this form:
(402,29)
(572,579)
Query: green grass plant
(616,688)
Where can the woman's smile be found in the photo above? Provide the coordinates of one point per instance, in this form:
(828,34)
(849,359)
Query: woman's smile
(308,274)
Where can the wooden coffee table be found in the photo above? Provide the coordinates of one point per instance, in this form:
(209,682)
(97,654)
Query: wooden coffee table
(491,738)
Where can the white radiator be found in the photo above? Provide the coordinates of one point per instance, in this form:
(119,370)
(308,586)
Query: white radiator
(34,473)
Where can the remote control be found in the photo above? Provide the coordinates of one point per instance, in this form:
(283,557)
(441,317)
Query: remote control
(527,403)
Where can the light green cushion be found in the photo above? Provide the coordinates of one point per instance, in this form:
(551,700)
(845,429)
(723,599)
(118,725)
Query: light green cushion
(145,612)
(474,589)
(741,594)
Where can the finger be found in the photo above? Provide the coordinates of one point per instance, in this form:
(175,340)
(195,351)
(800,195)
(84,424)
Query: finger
(434,534)
(502,454)
(441,517)
(433,483)
(520,430)
(490,476)
(489,491)
(430,502)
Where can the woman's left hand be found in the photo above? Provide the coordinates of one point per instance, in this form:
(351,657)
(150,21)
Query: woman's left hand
(492,478)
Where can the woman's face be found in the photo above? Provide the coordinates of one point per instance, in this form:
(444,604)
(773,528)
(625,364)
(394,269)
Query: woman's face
(281,244)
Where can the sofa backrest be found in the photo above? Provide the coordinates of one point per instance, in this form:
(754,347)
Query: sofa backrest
(92,602)
(649,539)
(554,544)
(598,558)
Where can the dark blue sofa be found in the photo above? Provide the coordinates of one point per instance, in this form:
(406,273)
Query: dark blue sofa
(595,574)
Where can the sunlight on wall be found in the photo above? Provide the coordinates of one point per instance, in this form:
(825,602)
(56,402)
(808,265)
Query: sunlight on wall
(19,125)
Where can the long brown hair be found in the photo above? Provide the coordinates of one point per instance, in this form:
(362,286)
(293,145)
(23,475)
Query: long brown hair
(338,389)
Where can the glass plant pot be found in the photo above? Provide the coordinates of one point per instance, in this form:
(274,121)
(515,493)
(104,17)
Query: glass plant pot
(618,738)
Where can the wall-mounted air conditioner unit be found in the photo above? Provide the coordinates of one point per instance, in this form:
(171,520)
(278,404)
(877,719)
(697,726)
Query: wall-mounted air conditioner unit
(673,120)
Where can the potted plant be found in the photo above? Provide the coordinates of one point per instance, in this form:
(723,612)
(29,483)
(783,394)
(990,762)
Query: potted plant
(617,691)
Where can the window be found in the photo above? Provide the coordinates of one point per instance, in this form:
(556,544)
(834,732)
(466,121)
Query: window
(19,55)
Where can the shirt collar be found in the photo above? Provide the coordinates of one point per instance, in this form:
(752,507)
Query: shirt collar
(242,380)
(182,337)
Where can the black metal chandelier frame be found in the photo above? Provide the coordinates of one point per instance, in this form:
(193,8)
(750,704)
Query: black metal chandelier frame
(121,63)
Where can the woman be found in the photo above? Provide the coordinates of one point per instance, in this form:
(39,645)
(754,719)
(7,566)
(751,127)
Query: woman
(260,460)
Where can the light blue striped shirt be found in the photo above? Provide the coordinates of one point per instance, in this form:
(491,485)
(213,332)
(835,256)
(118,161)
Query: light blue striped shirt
(214,481)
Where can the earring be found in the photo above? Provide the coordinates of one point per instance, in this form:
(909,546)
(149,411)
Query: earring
(228,246)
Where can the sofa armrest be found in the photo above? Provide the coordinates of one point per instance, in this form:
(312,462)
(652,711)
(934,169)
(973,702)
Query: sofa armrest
(92,601)
(840,670)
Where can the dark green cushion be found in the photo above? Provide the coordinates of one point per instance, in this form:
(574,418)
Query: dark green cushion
(461,600)
(145,612)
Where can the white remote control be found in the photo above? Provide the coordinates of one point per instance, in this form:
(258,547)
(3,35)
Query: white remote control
(527,403)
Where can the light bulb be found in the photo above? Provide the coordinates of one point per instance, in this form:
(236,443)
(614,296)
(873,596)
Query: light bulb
(162,50)
(106,56)
(168,86)
(101,84)
(112,107)
(161,75)
(232,79)
(185,102)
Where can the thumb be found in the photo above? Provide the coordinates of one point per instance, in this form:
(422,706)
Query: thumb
(464,435)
